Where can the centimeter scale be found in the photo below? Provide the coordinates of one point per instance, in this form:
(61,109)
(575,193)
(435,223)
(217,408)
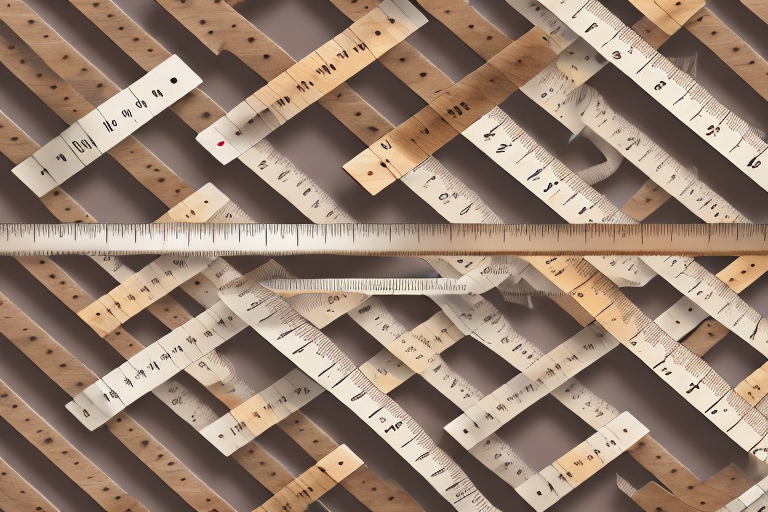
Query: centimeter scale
(241,239)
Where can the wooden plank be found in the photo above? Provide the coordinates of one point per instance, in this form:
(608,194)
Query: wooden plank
(66,457)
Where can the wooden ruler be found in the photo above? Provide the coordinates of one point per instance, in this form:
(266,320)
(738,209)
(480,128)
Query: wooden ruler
(676,91)
(106,126)
(713,32)
(240,239)
(49,356)
(688,493)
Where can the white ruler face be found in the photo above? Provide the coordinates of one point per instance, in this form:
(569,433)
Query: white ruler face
(405,240)
(319,358)
(672,88)
(106,126)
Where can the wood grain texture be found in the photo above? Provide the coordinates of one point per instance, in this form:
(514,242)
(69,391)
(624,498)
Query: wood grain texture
(258,463)
(657,15)
(468,25)
(731,49)
(66,457)
(730,481)
(645,201)
(758,7)
(705,336)
(17,495)
(17,144)
(676,477)
(653,498)
(363,483)
(72,376)
(298,494)
(196,108)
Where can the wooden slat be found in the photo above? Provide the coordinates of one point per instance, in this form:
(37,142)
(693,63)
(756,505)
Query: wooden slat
(66,457)
(69,373)
(17,495)
(731,49)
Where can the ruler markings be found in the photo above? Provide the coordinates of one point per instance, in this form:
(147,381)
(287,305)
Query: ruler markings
(384,487)
(408,240)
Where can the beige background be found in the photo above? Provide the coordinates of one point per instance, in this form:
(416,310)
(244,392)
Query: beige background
(319,145)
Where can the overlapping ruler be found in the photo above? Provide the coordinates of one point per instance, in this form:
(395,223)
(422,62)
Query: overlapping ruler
(170,191)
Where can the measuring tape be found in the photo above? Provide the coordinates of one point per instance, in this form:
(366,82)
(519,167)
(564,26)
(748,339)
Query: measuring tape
(675,90)
(241,239)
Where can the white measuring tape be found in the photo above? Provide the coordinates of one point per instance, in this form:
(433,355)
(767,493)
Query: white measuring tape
(106,126)
(240,239)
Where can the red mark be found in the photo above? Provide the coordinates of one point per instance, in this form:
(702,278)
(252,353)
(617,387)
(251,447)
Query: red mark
(220,143)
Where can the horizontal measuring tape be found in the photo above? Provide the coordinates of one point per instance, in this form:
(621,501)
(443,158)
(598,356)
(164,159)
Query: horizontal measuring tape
(240,239)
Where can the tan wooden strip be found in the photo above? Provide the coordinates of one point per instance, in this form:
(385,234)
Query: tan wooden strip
(573,308)
(472,28)
(645,201)
(684,484)
(18,145)
(620,317)
(402,149)
(66,457)
(22,61)
(257,462)
(705,336)
(414,70)
(363,483)
(315,482)
(69,373)
(17,495)
(458,15)
(759,7)
(653,498)
(755,386)
(310,79)
(743,271)
(657,15)
(731,481)
(731,49)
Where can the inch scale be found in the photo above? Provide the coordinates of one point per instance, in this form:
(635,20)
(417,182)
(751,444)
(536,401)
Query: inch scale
(401,240)
(661,79)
